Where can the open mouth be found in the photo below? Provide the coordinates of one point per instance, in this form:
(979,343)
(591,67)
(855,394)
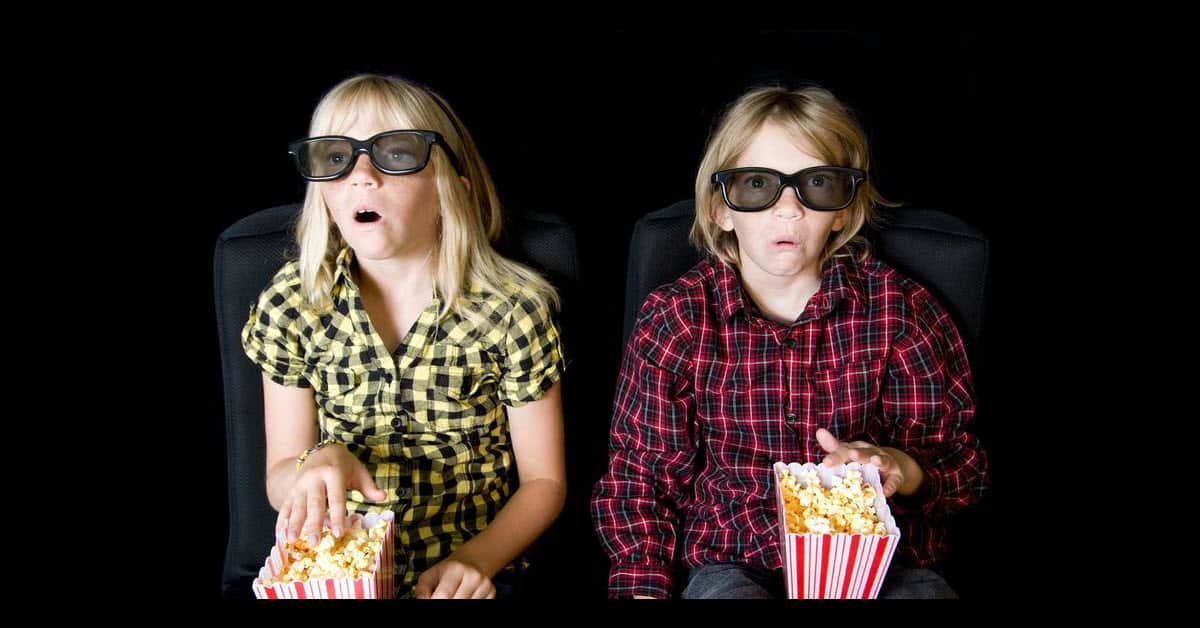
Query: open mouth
(366,215)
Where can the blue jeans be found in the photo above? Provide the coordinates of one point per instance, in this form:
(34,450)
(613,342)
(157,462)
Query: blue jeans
(742,582)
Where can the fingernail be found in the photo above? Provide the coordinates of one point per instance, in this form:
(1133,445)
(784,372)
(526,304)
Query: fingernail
(291,535)
(337,532)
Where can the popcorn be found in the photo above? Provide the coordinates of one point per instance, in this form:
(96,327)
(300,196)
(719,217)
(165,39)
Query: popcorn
(847,506)
(348,557)
(360,564)
(837,534)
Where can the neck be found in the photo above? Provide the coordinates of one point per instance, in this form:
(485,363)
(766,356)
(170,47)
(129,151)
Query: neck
(397,276)
(781,299)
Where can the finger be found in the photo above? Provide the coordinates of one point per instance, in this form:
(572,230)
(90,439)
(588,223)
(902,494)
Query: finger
(297,517)
(467,586)
(827,440)
(834,459)
(447,584)
(285,510)
(337,507)
(891,485)
(425,584)
(281,522)
(315,516)
(485,591)
(365,484)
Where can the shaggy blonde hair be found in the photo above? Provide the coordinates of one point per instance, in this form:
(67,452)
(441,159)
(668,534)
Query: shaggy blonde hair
(812,116)
(470,215)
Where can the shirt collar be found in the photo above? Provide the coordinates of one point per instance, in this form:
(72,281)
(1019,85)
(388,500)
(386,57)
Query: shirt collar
(840,280)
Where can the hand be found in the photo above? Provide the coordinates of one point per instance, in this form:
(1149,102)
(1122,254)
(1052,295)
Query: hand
(643,597)
(452,578)
(324,479)
(897,470)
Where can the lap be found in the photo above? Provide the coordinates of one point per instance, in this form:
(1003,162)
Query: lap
(743,582)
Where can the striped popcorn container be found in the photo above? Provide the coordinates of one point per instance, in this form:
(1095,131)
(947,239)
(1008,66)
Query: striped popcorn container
(378,584)
(835,565)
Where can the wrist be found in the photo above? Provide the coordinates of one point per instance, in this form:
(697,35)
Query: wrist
(469,558)
(914,477)
(308,453)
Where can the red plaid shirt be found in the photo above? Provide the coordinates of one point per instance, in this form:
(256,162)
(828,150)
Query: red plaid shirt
(711,394)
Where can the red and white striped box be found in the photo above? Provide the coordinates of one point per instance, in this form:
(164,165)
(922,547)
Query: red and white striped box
(835,565)
(375,585)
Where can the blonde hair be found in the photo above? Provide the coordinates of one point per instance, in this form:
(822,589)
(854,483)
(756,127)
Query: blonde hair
(811,115)
(470,215)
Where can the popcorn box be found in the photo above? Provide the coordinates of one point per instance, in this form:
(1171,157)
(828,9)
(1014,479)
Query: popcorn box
(835,565)
(375,585)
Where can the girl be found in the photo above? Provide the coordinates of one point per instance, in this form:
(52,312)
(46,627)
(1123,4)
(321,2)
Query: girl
(406,365)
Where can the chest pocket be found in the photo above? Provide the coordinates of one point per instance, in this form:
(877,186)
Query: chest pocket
(454,398)
(856,398)
(347,393)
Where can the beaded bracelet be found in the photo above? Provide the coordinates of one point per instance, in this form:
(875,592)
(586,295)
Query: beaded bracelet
(312,450)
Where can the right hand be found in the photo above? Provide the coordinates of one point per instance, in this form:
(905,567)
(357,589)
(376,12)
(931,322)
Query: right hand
(323,481)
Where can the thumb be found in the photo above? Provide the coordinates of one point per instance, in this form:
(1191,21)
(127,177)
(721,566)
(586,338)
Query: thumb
(366,485)
(827,440)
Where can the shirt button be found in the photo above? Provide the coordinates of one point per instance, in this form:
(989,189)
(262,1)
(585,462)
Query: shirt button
(790,343)
(388,377)
(396,423)
(791,417)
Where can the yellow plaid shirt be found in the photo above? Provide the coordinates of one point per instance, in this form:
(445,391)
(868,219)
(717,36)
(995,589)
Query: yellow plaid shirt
(428,420)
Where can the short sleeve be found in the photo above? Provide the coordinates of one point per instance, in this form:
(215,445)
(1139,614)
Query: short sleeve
(533,359)
(272,335)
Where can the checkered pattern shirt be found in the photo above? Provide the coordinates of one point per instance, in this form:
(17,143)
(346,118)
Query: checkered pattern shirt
(711,394)
(427,420)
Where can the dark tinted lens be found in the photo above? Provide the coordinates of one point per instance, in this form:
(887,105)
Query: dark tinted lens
(752,189)
(323,158)
(826,188)
(401,151)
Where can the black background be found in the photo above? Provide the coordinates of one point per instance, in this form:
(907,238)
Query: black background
(600,128)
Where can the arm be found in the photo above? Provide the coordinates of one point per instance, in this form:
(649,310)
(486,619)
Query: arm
(291,423)
(636,505)
(928,404)
(303,496)
(273,338)
(537,437)
(531,391)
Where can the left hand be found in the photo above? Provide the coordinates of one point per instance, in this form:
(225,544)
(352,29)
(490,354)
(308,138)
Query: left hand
(454,579)
(897,470)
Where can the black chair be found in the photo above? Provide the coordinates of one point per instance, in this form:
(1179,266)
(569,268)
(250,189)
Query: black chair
(248,254)
(948,256)
(943,253)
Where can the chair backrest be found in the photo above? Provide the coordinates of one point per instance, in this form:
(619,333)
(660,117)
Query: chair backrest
(943,253)
(247,255)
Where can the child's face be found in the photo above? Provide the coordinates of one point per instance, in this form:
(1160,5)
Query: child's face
(407,205)
(786,239)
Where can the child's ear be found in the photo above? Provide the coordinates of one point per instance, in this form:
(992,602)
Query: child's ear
(839,221)
(466,182)
(723,216)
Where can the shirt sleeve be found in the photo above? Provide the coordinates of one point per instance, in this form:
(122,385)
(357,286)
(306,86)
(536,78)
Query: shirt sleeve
(533,356)
(272,335)
(637,505)
(928,406)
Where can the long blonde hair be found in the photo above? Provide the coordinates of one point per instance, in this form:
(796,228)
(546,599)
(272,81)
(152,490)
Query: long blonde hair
(470,215)
(811,115)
